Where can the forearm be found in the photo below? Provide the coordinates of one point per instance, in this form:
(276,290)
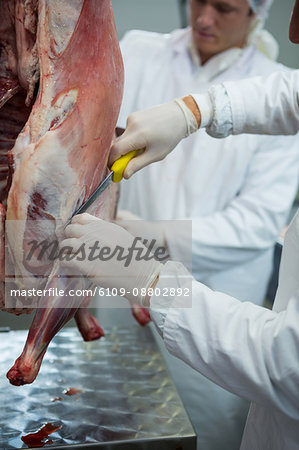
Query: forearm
(234,344)
(267,105)
(261,105)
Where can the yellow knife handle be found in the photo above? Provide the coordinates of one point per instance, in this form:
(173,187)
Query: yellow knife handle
(119,166)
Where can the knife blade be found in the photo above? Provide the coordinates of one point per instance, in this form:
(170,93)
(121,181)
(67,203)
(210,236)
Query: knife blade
(101,188)
(116,175)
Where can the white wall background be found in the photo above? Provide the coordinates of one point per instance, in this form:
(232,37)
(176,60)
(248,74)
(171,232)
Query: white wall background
(164,16)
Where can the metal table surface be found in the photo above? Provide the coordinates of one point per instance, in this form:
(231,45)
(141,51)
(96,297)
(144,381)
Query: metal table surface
(128,400)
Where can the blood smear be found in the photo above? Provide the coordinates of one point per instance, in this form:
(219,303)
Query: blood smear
(56,399)
(72,391)
(35,440)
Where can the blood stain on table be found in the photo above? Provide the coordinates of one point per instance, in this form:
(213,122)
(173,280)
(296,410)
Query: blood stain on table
(34,440)
(72,391)
(56,399)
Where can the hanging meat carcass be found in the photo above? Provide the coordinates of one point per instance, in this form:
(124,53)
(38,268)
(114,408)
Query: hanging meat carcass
(62,57)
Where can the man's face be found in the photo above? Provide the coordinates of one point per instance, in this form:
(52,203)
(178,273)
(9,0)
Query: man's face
(294,24)
(218,25)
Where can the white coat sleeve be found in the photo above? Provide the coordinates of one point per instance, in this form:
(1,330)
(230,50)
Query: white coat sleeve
(253,219)
(260,105)
(248,350)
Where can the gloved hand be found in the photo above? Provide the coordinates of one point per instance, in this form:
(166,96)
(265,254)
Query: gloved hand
(153,232)
(108,260)
(157,131)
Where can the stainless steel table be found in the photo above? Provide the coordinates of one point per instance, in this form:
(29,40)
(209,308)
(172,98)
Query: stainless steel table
(127,398)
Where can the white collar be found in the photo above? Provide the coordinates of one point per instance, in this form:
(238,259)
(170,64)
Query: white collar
(218,63)
(181,40)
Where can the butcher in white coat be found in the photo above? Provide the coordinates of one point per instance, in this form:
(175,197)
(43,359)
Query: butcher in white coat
(245,348)
(238,201)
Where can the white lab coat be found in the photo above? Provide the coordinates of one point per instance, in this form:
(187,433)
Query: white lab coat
(237,201)
(246,349)
(237,192)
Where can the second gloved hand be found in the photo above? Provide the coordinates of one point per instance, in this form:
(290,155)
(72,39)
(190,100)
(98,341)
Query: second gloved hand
(157,131)
(102,251)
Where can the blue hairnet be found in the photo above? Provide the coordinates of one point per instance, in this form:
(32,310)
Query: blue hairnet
(260,7)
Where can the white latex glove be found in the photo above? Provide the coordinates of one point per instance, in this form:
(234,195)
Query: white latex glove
(88,232)
(157,131)
(152,232)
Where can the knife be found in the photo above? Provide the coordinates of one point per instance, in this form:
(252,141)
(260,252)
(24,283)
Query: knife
(116,175)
